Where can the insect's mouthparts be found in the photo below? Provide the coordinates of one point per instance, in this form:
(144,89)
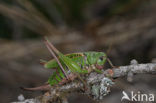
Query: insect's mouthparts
(99,66)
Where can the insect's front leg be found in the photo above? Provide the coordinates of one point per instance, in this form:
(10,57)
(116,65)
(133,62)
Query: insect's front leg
(110,63)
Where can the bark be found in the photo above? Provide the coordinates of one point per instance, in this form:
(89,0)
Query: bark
(116,72)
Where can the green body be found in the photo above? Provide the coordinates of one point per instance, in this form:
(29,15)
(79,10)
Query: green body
(81,63)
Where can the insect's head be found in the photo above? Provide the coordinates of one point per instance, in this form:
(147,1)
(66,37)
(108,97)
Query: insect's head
(101,60)
(96,58)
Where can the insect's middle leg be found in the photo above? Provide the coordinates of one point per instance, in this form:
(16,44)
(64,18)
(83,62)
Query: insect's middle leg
(83,81)
(71,77)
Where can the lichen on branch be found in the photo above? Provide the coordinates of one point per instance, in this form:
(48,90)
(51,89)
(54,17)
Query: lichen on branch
(94,79)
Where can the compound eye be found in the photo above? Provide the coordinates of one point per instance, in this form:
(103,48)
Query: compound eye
(101,58)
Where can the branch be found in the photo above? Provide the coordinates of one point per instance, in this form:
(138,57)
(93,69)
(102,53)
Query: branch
(94,79)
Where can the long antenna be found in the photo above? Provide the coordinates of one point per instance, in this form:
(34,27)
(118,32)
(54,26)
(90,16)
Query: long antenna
(53,54)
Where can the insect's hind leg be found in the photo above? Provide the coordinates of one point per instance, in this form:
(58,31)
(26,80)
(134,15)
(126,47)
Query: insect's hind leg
(50,48)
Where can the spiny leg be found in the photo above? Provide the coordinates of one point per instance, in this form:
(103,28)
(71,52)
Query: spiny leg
(110,63)
(53,54)
(108,52)
(81,79)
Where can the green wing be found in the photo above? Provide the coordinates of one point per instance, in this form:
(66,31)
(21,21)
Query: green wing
(76,57)
(71,61)
(51,64)
(71,64)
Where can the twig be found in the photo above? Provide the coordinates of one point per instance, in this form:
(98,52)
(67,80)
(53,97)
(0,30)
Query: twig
(93,78)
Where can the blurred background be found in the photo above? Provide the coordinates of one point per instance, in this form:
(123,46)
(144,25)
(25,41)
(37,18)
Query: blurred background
(125,29)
